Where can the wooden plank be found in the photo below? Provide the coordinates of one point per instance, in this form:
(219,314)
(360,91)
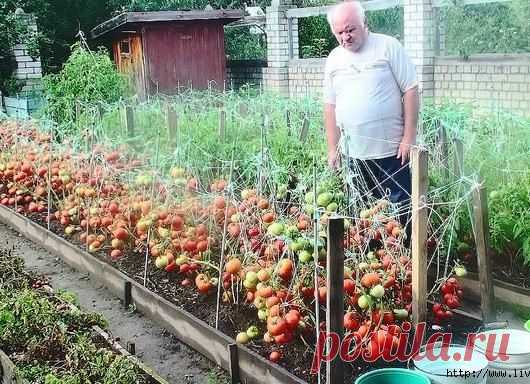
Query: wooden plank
(335,294)
(8,371)
(419,161)
(459,158)
(146,17)
(442,138)
(222,124)
(234,364)
(443,3)
(305,129)
(129,120)
(481,232)
(172,125)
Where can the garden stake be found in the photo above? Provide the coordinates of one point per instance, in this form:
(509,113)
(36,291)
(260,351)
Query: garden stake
(234,364)
(315,257)
(152,197)
(50,178)
(223,244)
(419,160)
(127,299)
(481,232)
(335,295)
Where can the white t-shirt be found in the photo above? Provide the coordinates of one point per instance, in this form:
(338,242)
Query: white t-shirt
(366,88)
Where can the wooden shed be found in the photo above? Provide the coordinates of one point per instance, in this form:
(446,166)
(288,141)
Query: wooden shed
(164,50)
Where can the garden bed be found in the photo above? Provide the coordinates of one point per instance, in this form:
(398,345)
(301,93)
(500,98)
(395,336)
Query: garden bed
(188,315)
(45,337)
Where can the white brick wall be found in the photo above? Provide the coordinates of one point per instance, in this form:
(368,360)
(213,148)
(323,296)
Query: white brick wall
(486,81)
(29,69)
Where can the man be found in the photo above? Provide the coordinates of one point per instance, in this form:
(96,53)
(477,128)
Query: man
(370,92)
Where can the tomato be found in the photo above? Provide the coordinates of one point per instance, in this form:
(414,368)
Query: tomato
(276,325)
(285,269)
(120,234)
(292,318)
(275,356)
(351,321)
(370,279)
(233,266)
(349,286)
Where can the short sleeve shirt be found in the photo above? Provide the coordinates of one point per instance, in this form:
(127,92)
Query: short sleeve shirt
(366,88)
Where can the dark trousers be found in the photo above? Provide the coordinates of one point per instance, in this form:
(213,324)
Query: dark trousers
(385,178)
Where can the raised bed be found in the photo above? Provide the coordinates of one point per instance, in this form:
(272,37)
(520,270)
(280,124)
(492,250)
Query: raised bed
(206,340)
(504,291)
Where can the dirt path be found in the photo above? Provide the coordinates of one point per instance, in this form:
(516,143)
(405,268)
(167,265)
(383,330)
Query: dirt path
(160,350)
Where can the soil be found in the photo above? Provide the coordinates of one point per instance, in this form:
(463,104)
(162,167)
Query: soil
(156,347)
(297,356)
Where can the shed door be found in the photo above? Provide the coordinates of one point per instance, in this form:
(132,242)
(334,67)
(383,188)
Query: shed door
(128,55)
(185,54)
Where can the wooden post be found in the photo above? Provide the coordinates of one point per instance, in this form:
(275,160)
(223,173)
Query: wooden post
(335,294)
(288,121)
(129,120)
(222,124)
(459,158)
(480,227)
(305,129)
(131,348)
(419,160)
(77,110)
(127,300)
(442,137)
(172,125)
(234,364)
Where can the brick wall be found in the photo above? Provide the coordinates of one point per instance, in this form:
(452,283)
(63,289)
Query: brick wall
(29,69)
(306,77)
(487,81)
(241,72)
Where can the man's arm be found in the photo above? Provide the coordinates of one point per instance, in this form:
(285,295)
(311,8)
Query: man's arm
(332,135)
(410,120)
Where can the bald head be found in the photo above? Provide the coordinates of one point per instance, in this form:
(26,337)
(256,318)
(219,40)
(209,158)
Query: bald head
(347,22)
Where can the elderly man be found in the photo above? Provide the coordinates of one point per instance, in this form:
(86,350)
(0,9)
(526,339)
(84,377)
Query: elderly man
(371,98)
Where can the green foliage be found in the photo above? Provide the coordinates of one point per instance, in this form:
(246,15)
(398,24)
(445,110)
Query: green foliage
(316,39)
(509,209)
(241,44)
(487,28)
(87,77)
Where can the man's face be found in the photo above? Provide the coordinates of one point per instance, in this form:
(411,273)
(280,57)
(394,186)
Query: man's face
(349,29)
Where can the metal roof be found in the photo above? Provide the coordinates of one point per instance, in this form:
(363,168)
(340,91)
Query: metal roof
(161,16)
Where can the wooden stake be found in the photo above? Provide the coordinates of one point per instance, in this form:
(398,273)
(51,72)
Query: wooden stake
(129,120)
(305,129)
(234,364)
(222,124)
(127,299)
(420,179)
(131,348)
(442,137)
(288,121)
(172,125)
(459,158)
(481,232)
(335,294)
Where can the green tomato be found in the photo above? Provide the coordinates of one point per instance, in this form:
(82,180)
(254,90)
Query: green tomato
(364,301)
(324,199)
(309,197)
(263,313)
(242,338)
(252,332)
(305,256)
(275,229)
(377,291)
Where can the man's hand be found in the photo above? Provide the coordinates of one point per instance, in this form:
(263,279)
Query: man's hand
(333,160)
(404,150)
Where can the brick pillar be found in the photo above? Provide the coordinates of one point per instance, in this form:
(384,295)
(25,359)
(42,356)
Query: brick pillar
(276,75)
(420,41)
(29,69)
